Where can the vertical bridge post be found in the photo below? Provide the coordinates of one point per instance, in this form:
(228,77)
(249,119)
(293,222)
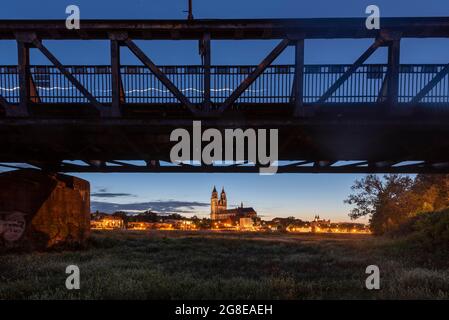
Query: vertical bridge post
(27,90)
(24,71)
(118,96)
(25,81)
(206,59)
(299,79)
(393,72)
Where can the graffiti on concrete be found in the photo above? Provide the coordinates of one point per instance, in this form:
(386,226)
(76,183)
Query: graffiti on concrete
(12,225)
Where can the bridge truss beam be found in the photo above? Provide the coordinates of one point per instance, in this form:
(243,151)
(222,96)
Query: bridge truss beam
(229,29)
(49,129)
(160,75)
(254,75)
(334,167)
(295,31)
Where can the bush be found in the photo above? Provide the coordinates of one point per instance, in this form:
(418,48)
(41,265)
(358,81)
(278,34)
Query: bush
(433,229)
(429,231)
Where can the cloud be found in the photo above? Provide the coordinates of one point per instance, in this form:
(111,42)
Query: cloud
(161,206)
(111,195)
(103,192)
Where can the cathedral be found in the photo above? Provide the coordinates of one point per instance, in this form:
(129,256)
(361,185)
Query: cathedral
(219,208)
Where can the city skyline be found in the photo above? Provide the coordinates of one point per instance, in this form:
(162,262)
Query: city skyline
(281,196)
(300,195)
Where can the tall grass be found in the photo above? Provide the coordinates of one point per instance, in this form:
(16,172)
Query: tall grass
(185,265)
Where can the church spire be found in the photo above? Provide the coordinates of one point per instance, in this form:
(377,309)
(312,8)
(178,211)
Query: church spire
(223,194)
(215,190)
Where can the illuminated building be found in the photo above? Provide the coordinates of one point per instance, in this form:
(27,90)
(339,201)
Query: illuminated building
(218,207)
(185,225)
(107,222)
(300,229)
(246,223)
(325,226)
(219,210)
(139,225)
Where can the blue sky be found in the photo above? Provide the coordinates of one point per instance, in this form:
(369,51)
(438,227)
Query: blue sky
(302,195)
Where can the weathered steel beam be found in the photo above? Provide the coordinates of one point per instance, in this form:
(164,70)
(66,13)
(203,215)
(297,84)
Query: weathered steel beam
(9,109)
(153,163)
(321,28)
(383,92)
(43,165)
(23,57)
(117,86)
(254,75)
(345,76)
(160,75)
(432,83)
(302,167)
(98,164)
(383,164)
(299,78)
(362,118)
(3,102)
(99,107)
(206,57)
(324,163)
(393,72)
(27,91)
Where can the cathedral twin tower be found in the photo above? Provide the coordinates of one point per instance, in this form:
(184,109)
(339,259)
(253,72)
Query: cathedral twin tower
(218,207)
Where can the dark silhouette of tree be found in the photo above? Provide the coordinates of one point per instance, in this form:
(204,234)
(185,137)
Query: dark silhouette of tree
(431,192)
(122,215)
(174,216)
(387,201)
(204,223)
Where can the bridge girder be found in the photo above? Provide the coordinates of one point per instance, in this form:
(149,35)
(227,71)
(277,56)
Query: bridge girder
(229,29)
(374,137)
(401,145)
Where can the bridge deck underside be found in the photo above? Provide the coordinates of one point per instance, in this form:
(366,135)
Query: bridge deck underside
(336,142)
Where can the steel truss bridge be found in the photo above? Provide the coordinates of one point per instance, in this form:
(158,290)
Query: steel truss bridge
(356,118)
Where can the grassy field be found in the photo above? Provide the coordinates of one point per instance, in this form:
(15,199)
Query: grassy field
(210,265)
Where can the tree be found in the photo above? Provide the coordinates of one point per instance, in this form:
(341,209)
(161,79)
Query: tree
(174,216)
(432,192)
(386,200)
(121,214)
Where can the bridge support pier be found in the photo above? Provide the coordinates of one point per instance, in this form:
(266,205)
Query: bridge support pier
(39,210)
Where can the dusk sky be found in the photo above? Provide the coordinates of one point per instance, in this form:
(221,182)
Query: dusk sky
(301,195)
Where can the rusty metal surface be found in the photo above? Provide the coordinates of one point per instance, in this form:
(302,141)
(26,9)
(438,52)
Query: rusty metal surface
(315,28)
(317,132)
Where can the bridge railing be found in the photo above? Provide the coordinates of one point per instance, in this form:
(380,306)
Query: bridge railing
(274,86)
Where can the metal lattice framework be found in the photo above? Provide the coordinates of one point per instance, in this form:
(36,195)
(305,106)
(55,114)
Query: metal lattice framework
(337,118)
